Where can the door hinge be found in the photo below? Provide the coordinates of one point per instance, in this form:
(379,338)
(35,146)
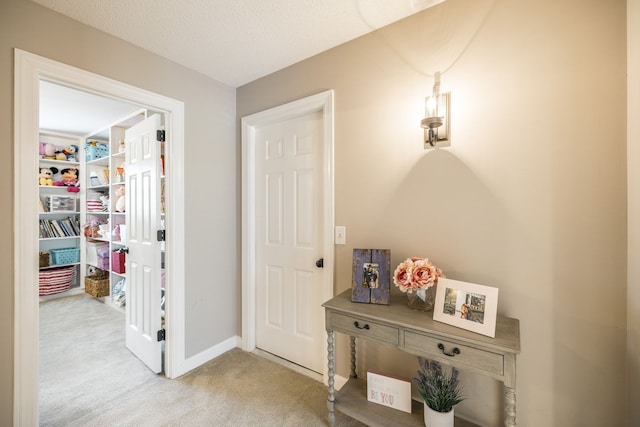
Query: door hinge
(160,135)
(162,335)
(161,235)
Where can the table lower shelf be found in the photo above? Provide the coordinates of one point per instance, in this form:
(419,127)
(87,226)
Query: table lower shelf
(352,400)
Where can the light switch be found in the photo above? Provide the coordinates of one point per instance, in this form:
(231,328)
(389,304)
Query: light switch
(341,235)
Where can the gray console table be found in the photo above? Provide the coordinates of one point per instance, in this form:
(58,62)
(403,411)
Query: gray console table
(414,332)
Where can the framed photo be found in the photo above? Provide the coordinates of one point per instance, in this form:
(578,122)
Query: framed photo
(467,306)
(371,276)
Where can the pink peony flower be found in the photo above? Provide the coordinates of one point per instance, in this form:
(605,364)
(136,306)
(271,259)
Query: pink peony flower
(416,273)
(402,276)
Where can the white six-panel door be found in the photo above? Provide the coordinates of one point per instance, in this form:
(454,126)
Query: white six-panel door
(143,317)
(289,241)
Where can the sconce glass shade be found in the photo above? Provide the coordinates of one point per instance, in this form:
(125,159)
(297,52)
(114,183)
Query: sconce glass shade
(431,105)
(436,124)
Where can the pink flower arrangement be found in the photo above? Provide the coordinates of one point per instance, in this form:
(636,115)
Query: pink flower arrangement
(416,273)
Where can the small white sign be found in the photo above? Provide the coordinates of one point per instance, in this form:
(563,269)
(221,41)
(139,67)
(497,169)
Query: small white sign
(394,392)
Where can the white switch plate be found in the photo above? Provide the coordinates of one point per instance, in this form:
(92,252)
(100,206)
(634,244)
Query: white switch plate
(341,235)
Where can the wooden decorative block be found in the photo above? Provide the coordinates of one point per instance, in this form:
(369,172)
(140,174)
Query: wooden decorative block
(371,276)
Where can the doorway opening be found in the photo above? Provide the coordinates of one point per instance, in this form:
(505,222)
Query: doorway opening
(29,70)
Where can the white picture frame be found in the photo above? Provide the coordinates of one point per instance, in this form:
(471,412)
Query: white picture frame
(466,305)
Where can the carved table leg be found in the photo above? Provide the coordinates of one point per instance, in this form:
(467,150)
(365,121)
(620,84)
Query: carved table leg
(332,372)
(509,407)
(353,357)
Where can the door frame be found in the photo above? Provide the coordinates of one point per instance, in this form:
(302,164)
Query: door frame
(29,70)
(322,102)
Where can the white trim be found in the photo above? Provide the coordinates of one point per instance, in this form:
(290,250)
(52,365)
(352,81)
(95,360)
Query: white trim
(211,353)
(289,365)
(340,381)
(29,70)
(320,102)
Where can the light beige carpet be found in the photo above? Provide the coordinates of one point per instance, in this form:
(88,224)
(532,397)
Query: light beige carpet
(89,378)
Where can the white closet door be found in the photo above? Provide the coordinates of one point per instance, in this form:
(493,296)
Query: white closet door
(143,317)
(289,208)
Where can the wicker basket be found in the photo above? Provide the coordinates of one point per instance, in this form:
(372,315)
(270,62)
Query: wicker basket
(44,259)
(97,285)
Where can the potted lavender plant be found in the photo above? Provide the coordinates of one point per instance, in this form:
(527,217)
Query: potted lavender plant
(440,392)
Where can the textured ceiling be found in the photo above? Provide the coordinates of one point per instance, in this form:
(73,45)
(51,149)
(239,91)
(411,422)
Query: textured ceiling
(237,41)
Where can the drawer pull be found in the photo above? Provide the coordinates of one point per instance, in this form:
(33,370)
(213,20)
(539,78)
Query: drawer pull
(357,325)
(456,350)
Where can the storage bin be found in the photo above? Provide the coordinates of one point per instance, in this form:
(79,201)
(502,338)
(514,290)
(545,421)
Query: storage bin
(94,181)
(103,257)
(97,285)
(55,280)
(95,152)
(118,262)
(62,203)
(92,252)
(103,263)
(65,256)
(44,259)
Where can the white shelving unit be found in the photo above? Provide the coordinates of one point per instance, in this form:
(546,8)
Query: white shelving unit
(100,159)
(59,219)
(105,178)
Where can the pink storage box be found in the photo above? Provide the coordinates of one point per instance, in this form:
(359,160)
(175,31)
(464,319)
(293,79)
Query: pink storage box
(103,257)
(119,261)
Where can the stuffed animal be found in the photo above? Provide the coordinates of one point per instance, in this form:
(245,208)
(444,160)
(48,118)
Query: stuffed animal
(46,175)
(120,199)
(92,228)
(47,151)
(70,179)
(70,152)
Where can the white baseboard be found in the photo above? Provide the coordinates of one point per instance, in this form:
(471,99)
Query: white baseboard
(209,354)
(339,381)
(236,342)
(287,364)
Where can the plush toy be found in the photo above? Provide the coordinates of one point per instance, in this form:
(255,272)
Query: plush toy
(46,175)
(119,201)
(70,152)
(47,151)
(70,179)
(92,228)
(61,156)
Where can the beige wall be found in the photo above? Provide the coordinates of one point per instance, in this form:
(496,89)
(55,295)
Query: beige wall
(211,223)
(530,198)
(633,164)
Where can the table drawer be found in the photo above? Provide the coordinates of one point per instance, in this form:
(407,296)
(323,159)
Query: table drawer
(480,359)
(354,326)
